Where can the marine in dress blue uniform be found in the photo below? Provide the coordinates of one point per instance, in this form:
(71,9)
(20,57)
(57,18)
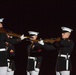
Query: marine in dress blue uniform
(34,55)
(3,52)
(64,47)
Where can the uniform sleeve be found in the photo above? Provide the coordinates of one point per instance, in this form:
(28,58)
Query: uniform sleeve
(11,40)
(11,47)
(48,47)
(45,46)
(39,60)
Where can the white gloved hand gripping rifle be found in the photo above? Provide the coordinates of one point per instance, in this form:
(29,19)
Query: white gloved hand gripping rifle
(41,42)
(22,37)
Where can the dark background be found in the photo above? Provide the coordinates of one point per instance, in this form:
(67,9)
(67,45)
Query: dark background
(46,17)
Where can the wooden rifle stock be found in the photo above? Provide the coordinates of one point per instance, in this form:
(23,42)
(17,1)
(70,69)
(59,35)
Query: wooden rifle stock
(52,40)
(16,35)
(2,30)
(49,40)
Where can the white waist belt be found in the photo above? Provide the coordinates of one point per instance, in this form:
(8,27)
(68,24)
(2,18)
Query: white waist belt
(66,56)
(3,49)
(67,61)
(35,62)
(32,58)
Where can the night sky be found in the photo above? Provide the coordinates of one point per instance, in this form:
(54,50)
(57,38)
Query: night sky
(46,17)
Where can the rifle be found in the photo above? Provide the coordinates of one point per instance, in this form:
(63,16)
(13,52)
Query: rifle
(52,40)
(3,30)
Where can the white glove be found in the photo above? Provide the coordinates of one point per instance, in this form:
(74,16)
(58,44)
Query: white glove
(11,36)
(22,37)
(37,69)
(41,42)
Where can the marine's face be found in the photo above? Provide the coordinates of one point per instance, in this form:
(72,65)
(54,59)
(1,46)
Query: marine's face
(65,35)
(33,37)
